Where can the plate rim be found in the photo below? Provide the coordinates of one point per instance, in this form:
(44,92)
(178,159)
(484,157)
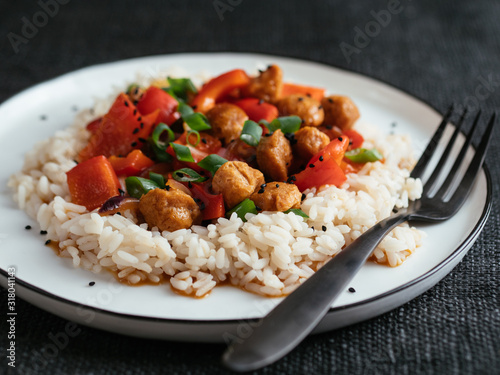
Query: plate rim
(464,245)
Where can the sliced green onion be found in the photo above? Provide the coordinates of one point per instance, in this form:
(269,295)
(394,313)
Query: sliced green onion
(157,178)
(243,208)
(182,153)
(273,125)
(297,211)
(180,87)
(160,128)
(197,121)
(138,186)
(132,86)
(287,124)
(185,109)
(251,133)
(362,155)
(212,163)
(188,175)
(198,138)
(159,147)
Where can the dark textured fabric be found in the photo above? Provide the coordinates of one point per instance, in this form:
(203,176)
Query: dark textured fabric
(442,52)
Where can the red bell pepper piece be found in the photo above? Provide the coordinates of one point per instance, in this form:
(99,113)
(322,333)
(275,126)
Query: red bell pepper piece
(326,172)
(120,130)
(132,165)
(292,88)
(257,110)
(217,88)
(94,125)
(92,182)
(334,150)
(355,138)
(207,144)
(212,206)
(155,98)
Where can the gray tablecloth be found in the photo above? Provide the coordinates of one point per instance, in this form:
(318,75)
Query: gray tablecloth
(442,52)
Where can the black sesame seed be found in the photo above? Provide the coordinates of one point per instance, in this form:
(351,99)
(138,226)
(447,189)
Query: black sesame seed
(340,139)
(190,185)
(263,186)
(277,185)
(311,165)
(142,125)
(258,208)
(323,228)
(48,242)
(119,213)
(126,104)
(312,228)
(139,118)
(167,187)
(303,197)
(320,107)
(43,232)
(261,191)
(195,106)
(261,71)
(268,134)
(204,140)
(302,121)
(43,117)
(143,140)
(329,127)
(321,158)
(75,161)
(352,290)
(27,227)
(135,112)
(202,206)
(136,90)
(92,283)
(121,192)
(136,130)
(308,95)
(135,102)
(330,100)
(133,144)
(350,143)
(300,98)
(261,101)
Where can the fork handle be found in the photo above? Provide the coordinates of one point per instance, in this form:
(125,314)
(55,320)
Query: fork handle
(295,317)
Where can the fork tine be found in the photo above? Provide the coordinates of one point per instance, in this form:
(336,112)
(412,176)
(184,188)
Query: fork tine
(444,157)
(463,190)
(452,174)
(422,163)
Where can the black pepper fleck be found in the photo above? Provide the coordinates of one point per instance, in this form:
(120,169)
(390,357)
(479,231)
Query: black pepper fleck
(48,242)
(27,227)
(92,283)
(43,232)
(352,290)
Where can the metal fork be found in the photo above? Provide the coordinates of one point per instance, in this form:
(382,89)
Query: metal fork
(297,315)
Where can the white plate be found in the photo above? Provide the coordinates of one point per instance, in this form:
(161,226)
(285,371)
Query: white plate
(52,283)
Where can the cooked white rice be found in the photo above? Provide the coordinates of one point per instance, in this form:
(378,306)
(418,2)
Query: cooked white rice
(270,254)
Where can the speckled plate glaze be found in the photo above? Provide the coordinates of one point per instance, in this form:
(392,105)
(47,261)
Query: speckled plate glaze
(52,283)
